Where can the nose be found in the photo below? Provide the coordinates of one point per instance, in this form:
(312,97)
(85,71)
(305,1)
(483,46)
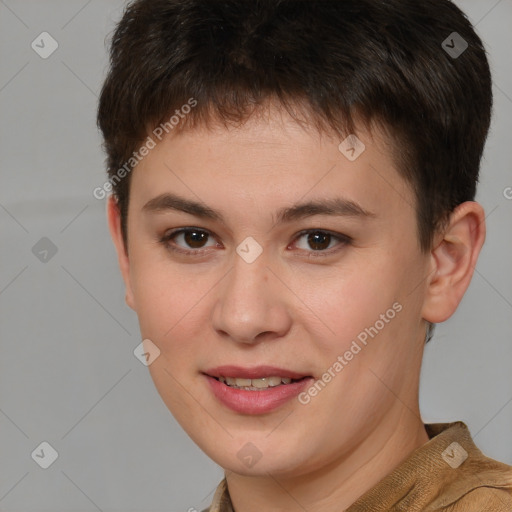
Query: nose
(252,305)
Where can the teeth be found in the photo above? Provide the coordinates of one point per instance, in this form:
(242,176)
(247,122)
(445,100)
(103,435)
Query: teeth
(254,384)
(230,381)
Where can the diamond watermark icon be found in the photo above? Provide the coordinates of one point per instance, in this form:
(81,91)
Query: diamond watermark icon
(454,45)
(249,454)
(44,455)
(351,148)
(44,45)
(44,250)
(454,455)
(146,352)
(249,250)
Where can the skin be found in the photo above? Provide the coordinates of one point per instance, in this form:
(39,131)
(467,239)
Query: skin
(289,308)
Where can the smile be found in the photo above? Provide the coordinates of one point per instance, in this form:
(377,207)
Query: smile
(255,390)
(255,384)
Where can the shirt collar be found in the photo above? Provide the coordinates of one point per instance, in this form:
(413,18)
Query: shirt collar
(436,475)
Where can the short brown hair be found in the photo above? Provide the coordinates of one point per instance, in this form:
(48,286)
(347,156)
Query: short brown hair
(333,61)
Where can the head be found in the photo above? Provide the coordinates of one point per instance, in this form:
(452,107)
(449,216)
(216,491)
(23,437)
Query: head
(237,119)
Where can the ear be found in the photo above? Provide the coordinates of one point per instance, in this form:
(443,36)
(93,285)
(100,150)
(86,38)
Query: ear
(453,261)
(114,224)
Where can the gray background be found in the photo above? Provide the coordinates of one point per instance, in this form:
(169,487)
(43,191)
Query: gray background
(68,375)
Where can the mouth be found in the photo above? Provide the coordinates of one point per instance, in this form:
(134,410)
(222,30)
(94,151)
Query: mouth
(256,384)
(256,390)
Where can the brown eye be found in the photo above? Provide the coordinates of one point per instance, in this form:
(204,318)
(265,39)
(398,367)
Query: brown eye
(319,241)
(195,239)
(188,240)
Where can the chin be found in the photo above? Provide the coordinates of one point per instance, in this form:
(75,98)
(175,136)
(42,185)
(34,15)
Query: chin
(250,461)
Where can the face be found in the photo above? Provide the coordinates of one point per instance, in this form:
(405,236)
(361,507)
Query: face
(262,252)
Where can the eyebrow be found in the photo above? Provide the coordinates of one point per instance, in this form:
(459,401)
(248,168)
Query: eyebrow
(335,206)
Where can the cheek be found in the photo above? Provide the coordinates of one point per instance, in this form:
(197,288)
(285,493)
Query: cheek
(170,304)
(348,300)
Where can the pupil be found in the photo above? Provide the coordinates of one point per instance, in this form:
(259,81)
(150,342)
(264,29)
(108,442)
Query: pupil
(195,239)
(319,240)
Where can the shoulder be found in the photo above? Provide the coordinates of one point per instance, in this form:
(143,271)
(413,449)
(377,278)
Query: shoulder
(474,482)
(484,499)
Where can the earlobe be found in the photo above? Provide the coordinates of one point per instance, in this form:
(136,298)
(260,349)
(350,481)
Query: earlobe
(453,261)
(114,224)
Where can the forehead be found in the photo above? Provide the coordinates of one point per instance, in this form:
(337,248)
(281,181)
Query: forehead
(269,161)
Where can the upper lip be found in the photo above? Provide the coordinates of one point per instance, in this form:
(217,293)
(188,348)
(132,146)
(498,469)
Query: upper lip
(254,372)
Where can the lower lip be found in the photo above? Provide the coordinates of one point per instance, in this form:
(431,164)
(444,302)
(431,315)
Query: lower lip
(256,402)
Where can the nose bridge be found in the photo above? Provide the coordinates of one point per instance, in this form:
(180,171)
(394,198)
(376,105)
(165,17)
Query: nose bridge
(248,303)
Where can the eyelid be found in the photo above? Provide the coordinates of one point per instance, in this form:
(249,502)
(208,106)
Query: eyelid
(343,240)
(170,235)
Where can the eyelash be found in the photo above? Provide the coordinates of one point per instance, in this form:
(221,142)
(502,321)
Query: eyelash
(343,240)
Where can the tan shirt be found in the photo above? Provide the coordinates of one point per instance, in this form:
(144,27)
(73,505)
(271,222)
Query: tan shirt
(448,473)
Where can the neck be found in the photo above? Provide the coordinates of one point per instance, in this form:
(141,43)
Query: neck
(338,485)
